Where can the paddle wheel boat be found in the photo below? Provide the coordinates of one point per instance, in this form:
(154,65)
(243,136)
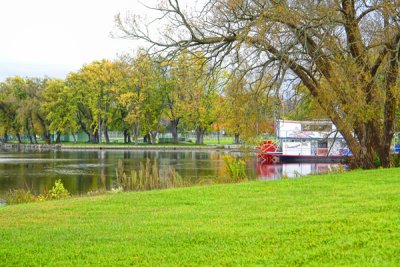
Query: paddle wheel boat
(304,141)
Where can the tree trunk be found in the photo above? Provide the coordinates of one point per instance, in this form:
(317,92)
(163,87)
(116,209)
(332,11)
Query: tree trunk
(46,135)
(365,160)
(125,136)
(34,138)
(74,137)
(46,138)
(237,138)
(19,138)
(135,128)
(153,137)
(33,132)
(99,124)
(106,135)
(174,126)
(5,138)
(58,139)
(28,132)
(93,138)
(385,151)
(147,138)
(199,136)
(30,138)
(99,134)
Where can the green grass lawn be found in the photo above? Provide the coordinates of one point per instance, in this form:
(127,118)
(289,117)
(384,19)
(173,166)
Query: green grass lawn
(222,141)
(330,220)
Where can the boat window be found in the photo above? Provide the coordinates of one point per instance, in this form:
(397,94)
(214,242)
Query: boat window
(316,127)
(322,144)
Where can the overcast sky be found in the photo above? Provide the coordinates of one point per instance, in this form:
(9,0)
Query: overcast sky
(54,37)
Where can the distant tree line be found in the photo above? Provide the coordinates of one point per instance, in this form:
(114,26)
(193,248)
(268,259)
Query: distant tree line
(139,96)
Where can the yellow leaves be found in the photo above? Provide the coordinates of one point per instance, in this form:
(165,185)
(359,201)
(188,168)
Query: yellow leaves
(126,99)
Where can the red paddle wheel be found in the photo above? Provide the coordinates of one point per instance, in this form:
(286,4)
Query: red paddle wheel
(264,151)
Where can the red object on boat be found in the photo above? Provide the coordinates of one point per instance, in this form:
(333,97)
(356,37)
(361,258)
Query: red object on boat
(265,149)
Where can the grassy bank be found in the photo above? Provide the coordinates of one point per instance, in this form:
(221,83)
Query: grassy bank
(330,220)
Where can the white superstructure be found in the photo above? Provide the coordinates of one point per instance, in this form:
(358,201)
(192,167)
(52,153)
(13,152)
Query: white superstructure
(309,138)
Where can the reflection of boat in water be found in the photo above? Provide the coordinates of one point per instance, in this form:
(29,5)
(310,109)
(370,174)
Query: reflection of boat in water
(292,170)
(278,157)
(304,141)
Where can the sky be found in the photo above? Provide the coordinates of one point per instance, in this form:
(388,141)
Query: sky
(54,37)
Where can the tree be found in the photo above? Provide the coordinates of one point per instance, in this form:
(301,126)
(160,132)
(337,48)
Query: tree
(345,52)
(247,109)
(176,77)
(155,103)
(138,81)
(83,93)
(191,93)
(123,66)
(20,100)
(9,107)
(302,106)
(219,123)
(93,86)
(60,105)
(201,86)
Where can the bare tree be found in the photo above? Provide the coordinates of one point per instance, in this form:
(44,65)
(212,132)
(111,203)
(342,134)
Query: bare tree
(346,52)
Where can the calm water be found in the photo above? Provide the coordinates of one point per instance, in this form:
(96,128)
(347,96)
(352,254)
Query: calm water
(84,171)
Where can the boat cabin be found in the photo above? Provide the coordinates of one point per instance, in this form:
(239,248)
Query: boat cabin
(310,138)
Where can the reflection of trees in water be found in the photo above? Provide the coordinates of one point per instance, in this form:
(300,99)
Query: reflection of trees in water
(83,171)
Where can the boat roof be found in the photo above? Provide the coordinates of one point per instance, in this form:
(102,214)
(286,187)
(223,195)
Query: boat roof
(323,122)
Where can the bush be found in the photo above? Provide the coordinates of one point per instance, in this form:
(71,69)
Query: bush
(395,160)
(58,191)
(18,196)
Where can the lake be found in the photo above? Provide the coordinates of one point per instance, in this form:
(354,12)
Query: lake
(84,171)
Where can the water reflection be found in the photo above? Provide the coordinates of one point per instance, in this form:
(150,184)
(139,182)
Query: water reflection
(291,170)
(84,171)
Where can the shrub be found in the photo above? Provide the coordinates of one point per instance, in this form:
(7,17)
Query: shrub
(18,196)
(395,160)
(58,191)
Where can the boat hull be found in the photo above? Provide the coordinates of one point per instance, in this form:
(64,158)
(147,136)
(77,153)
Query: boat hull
(281,158)
(310,159)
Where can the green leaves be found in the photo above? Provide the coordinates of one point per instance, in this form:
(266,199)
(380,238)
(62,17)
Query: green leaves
(20,112)
(60,105)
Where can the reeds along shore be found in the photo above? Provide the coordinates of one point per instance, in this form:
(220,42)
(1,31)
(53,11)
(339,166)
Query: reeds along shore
(148,177)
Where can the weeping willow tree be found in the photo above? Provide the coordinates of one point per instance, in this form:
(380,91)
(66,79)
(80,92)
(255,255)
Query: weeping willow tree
(345,52)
